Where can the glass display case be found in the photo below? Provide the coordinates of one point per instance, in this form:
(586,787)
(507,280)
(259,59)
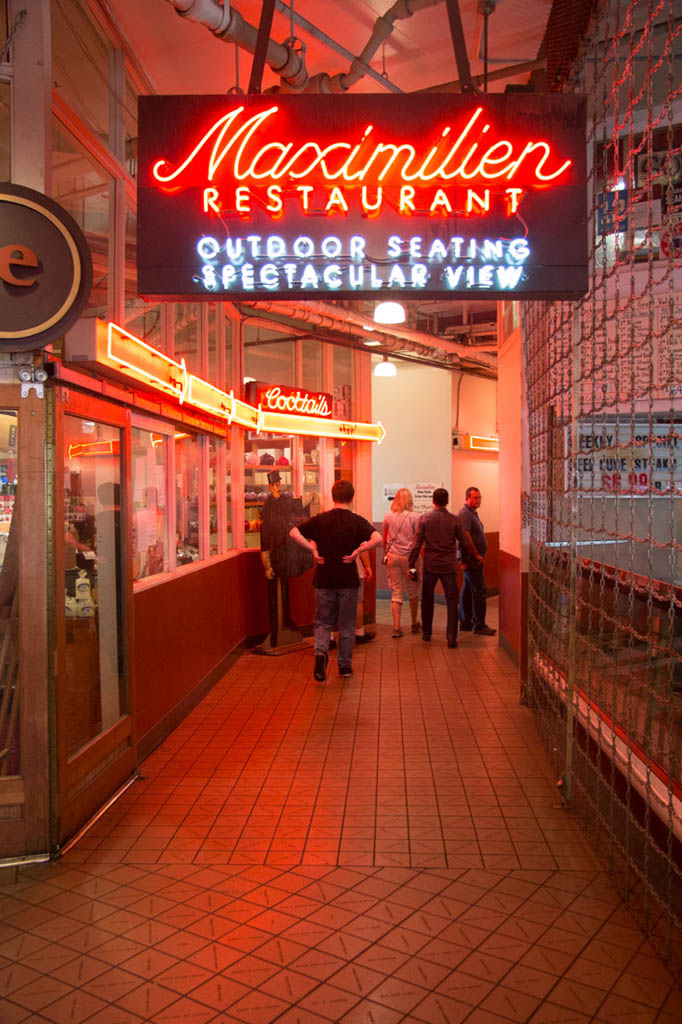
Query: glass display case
(264,454)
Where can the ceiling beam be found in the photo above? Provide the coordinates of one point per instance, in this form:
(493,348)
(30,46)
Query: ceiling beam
(511,71)
(460,46)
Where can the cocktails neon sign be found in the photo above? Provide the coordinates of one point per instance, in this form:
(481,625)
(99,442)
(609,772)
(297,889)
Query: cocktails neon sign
(358,194)
(294,400)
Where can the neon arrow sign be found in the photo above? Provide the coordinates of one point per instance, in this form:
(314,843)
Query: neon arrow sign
(131,357)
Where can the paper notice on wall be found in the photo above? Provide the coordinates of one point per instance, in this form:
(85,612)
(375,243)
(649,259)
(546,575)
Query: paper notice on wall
(622,457)
(390,491)
(423,497)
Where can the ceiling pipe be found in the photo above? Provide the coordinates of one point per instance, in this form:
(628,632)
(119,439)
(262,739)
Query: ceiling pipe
(323,314)
(227,24)
(285,8)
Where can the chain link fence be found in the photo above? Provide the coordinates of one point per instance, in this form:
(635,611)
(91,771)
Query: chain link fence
(604,508)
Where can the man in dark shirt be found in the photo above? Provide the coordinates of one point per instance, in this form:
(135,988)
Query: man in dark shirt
(336,538)
(439,532)
(472,600)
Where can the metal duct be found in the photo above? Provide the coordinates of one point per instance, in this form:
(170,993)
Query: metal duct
(227,24)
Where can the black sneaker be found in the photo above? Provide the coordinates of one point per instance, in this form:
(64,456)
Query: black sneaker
(365,638)
(426,636)
(484,631)
(320,670)
(465,627)
(452,643)
(345,671)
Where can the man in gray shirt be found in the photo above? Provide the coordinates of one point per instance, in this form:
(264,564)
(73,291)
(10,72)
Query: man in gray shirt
(439,532)
(472,600)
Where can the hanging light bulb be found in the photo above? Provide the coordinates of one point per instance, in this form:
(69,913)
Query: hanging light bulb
(385,369)
(389,313)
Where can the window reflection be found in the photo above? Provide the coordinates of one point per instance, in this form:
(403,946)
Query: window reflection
(93,642)
(84,189)
(81,58)
(187,336)
(150,514)
(186,498)
(9,591)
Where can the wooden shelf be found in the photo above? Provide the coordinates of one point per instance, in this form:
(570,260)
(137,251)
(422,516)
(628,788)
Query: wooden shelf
(267,467)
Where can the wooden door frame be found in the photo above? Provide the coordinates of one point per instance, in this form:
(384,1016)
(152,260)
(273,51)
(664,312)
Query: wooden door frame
(24,826)
(79,772)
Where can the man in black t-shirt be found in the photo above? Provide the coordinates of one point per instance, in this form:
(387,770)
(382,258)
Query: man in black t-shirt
(336,538)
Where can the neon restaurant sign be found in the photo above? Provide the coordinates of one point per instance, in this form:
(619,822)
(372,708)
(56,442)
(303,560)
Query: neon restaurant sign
(133,359)
(354,196)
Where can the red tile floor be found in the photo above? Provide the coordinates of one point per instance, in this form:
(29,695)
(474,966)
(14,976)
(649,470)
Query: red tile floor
(383,849)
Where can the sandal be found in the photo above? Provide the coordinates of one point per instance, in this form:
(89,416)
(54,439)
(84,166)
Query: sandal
(397,633)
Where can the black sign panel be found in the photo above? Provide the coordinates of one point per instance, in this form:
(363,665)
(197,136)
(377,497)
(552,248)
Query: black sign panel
(45,269)
(362,196)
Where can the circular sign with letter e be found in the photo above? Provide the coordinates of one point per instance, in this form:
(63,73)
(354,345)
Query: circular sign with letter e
(45,269)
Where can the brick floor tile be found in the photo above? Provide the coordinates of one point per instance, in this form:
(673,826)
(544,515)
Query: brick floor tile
(438,1008)
(184,1011)
(296,843)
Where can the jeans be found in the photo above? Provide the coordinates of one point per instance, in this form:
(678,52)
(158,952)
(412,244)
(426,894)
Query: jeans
(336,609)
(472,600)
(449,581)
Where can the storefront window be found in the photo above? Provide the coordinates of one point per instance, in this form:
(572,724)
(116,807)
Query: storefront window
(143,319)
(343,410)
(187,335)
(268,356)
(130,115)
(186,498)
(229,328)
(312,364)
(9,589)
(5,133)
(213,475)
(81,66)
(149,459)
(83,188)
(343,383)
(311,474)
(95,697)
(213,342)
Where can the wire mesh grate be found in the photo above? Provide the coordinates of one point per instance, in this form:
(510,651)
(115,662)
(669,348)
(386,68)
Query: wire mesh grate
(604,394)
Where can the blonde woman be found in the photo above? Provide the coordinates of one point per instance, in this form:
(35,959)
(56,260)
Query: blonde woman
(400,527)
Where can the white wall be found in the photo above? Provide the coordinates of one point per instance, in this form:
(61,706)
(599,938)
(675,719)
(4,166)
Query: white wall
(415,407)
(474,411)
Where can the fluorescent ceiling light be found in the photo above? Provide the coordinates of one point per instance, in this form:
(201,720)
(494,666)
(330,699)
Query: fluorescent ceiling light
(370,343)
(385,369)
(389,313)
